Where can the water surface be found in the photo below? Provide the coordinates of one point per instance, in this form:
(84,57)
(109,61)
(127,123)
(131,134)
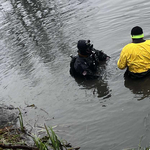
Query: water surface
(37,38)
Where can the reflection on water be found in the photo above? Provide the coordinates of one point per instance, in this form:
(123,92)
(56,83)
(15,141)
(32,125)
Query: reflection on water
(31,15)
(99,86)
(139,87)
(34,35)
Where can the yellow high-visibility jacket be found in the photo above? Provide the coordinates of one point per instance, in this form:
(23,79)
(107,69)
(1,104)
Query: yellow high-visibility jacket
(135,56)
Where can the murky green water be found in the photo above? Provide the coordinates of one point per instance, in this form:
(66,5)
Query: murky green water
(36,40)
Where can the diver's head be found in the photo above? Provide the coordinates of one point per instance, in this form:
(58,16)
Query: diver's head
(84,47)
(137,33)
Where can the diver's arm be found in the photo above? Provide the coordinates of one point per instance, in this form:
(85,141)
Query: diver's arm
(101,55)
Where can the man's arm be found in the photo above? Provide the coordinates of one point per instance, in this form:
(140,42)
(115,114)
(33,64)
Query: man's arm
(122,62)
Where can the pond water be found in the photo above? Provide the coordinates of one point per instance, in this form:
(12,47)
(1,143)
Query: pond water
(36,40)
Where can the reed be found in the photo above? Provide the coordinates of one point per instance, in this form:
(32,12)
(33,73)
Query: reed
(39,144)
(56,144)
(21,121)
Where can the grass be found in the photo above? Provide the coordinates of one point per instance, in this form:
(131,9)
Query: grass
(39,144)
(139,148)
(10,138)
(55,142)
(49,141)
(21,121)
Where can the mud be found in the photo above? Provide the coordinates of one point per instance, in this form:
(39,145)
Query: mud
(8,116)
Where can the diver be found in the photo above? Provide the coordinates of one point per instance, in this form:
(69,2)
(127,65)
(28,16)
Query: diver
(85,63)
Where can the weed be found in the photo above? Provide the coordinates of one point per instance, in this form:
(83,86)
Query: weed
(21,121)
(55,142)
(40,145)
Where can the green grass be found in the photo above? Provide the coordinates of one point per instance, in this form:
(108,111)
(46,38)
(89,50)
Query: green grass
(10,136)
(56,144)
(39,144)
(21,121)
(51,140)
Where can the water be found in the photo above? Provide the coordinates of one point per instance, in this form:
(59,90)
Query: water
(37,38)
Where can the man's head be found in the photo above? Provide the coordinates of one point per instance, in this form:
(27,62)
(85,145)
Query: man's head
(137,33)
(84,47)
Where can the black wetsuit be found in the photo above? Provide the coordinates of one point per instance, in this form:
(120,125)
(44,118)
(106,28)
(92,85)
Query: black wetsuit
(87,66)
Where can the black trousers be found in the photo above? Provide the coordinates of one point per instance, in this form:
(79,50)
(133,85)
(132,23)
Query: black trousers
(136,75)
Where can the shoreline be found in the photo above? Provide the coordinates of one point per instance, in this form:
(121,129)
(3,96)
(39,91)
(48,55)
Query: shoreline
(13,136)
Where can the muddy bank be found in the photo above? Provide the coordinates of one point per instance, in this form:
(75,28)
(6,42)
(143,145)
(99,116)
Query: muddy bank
(8,116)
(14,135)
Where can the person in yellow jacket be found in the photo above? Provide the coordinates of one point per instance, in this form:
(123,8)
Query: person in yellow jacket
(135,56)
